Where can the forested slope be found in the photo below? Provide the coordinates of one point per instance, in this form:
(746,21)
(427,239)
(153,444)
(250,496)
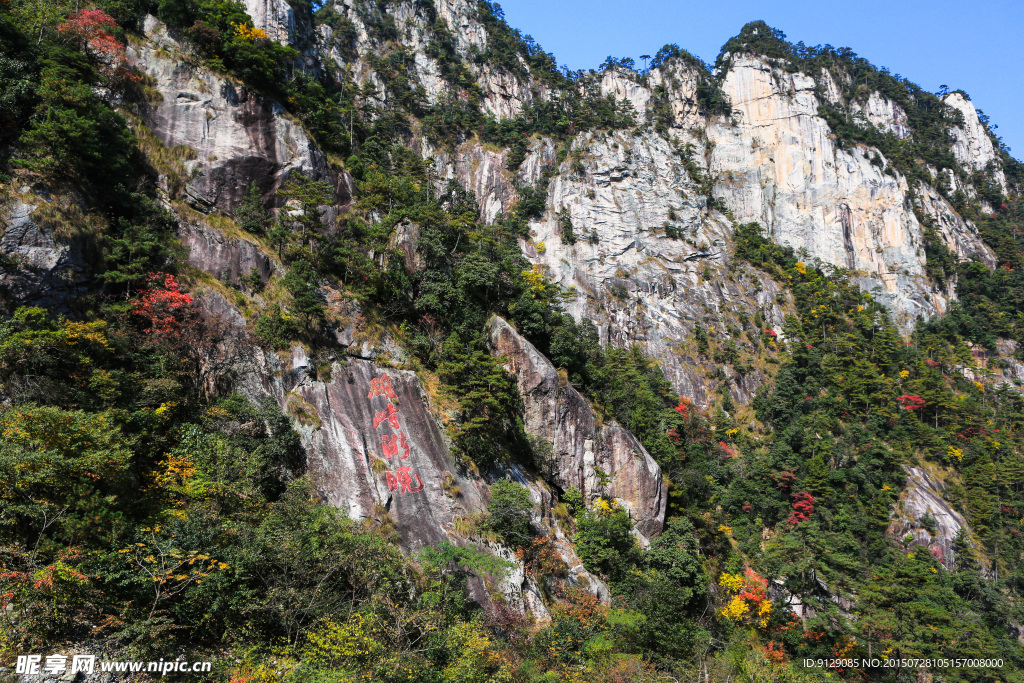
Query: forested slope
(359,342)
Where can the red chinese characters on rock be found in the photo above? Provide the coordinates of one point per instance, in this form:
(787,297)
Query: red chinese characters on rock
(381,386)
(392,442)
(389,415)
(403,479)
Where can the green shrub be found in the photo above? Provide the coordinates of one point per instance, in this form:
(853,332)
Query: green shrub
(605,542)
(509,513)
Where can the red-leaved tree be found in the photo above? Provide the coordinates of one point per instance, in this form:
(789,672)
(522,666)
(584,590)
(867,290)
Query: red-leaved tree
(803,508)
(205,348)
(91,29)
(684,407)
(163,305)
(910,402)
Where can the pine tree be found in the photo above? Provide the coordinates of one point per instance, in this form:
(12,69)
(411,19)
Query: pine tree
(251,215)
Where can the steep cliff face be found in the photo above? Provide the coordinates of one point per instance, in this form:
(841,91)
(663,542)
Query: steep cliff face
(375,448)
(275,18)
(371,441)
(777,162)
(227,259)
(634,280)
(972,143)
(227,135)
(415,27)
(564,422)
(637,227)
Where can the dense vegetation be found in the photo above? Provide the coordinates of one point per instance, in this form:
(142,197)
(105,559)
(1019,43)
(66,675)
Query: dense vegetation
(147,509)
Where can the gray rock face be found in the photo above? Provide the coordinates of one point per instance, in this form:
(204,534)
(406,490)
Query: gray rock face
(482,172)
(226,259)
(777,163)
(371,441)
(559,417)
(503,93)
(238,136)
(374,448)
(1013,370)
(405,238)
(922,499)
(275,17)
(633,280)
(43,271)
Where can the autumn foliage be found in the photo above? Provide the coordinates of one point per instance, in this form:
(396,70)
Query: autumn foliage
(749,602)
(684,407)
(803,508)
(910,402)
(164,306)
(92,30)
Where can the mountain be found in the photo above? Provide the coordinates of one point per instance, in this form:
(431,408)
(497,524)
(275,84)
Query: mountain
(357,341)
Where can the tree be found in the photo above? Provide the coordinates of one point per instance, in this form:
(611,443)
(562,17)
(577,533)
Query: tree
(164,306)
(904,609)
(509,513)
(135,252)
(251,214)
(74,135)
(91,29)
(308,561)
(310,195)
(604,540)
(57,466)
(302,283)
(449,568)
(491,427)
(675,554)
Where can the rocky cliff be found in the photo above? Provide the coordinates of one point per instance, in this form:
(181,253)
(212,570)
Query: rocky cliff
(774,160)
(225,135)
(573,447)
(636,226)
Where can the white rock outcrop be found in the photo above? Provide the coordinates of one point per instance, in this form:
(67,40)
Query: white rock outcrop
(778,163)
(634,281)
(972,145)
(504,93)
(926,518)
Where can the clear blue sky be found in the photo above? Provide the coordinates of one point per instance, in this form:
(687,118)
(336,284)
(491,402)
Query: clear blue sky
(973,45)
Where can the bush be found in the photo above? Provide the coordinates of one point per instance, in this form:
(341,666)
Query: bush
(275,329)
(604,541)
(509,510)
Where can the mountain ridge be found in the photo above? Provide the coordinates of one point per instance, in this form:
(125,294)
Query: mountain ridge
(565,340)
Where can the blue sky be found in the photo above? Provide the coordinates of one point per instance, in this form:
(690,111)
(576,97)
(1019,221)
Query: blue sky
(975,46)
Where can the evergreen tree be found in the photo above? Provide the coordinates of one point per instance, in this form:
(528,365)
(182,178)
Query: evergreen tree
(251,214)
